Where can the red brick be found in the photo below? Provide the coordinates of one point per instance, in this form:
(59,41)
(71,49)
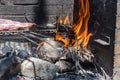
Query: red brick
(118,9)
(117,61)
(117,49)
(117,35)
(118,22)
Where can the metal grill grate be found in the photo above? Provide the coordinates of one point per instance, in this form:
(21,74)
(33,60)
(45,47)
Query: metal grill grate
(23,39)
(13,39)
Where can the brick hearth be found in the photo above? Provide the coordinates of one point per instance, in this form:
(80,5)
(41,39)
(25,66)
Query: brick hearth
(116,70)
(105,18)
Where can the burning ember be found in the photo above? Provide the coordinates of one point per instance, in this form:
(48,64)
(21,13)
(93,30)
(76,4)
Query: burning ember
(80,28)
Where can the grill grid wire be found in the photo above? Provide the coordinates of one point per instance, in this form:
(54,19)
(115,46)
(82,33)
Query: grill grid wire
(24,39)
(13,39)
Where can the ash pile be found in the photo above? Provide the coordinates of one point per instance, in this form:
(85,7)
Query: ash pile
(50,62)
(50,58)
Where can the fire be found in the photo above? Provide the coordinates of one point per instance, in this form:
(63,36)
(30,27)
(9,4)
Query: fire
(80,27)
(67,20)
(61,38)
(60,20)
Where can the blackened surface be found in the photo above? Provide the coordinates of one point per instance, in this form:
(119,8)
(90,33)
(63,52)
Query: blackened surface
(40,13)
(103,21)
(76,9)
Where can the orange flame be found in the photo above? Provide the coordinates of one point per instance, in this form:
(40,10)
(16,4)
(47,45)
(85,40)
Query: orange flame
(81,27)
(67,20)
(61,38)
(60,20)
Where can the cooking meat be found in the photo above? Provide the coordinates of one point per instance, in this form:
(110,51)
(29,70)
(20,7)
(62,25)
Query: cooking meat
(6,25)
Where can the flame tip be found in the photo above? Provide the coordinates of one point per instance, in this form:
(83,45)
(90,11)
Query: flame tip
(80,28)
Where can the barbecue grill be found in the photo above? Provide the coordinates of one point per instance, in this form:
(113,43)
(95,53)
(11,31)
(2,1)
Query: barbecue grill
(24,39)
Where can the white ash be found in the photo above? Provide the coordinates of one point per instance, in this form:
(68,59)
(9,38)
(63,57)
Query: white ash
(51,48)
(64,65)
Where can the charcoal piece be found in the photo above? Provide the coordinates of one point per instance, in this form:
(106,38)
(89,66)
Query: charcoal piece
(7,63)
(23,54)
(34,52)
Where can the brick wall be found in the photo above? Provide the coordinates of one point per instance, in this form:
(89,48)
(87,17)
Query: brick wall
(38,11)
(116,72)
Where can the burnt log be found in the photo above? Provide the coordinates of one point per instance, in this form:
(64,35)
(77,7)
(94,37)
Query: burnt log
(9,66)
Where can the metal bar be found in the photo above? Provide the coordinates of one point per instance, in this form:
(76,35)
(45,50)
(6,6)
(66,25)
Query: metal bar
(41,39)
(59,49)
(30,40)
(32,35)
(38,34)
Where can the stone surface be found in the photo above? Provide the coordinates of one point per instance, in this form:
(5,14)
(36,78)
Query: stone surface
(39,68)
(67,9)
(49,9)
(116,74)
(43,11)
(64,65)
(51,48)
(12,10)
(19,1)
(22,18)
